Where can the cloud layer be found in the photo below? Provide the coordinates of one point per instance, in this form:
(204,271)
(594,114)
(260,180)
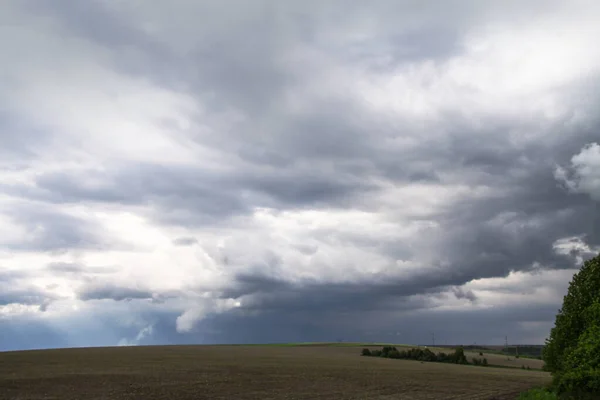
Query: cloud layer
(270,171)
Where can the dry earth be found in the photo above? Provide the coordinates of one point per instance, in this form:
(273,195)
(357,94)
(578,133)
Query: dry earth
(247,372)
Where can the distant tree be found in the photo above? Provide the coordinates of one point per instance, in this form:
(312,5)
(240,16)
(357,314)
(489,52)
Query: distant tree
(459,356)
(485,362)
(387,350)
(366,352)
(572,352)
(393,354)
(428,355)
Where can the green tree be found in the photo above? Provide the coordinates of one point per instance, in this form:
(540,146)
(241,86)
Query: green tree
(572,352)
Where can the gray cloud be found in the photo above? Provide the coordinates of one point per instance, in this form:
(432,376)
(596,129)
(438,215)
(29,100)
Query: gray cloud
(185,241)
(112,292)
(54,231)
(462,294)
(323,108)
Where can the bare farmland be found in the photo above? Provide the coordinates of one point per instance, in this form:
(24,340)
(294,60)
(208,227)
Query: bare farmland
(247,372)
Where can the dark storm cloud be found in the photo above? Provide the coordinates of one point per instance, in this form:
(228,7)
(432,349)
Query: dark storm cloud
(489,326)
(267,294)
(177,191)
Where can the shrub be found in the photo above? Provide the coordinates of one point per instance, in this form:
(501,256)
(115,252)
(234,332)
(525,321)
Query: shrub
(538,394)
(366,352)
(386,350)
(393,354)
(428,355)
(480,353)
(459,356)
(580,382)
(476,361)
(484,362)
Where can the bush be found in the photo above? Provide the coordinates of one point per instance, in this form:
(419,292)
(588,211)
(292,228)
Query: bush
(480,353)
(476,361)
(393,354)
(428,355)
(578,383)
(484,362)
(538,394)
(387,350)
(459,356)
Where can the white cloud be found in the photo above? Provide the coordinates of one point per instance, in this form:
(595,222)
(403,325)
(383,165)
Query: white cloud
(583,175)
(203,307)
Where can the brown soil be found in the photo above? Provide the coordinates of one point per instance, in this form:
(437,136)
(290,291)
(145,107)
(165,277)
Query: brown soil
(252,372)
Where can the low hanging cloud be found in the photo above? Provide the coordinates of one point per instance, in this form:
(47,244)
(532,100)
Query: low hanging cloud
(250,172)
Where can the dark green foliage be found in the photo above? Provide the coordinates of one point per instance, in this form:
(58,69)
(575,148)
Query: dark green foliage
(484,362)
(572,352)
(458,357)
(538,394)
(393,354)
(428,355)
(476,361)
(366,352)
(385,352)
(480,353)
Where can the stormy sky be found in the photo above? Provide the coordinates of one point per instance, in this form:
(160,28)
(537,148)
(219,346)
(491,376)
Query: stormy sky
(271,171)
